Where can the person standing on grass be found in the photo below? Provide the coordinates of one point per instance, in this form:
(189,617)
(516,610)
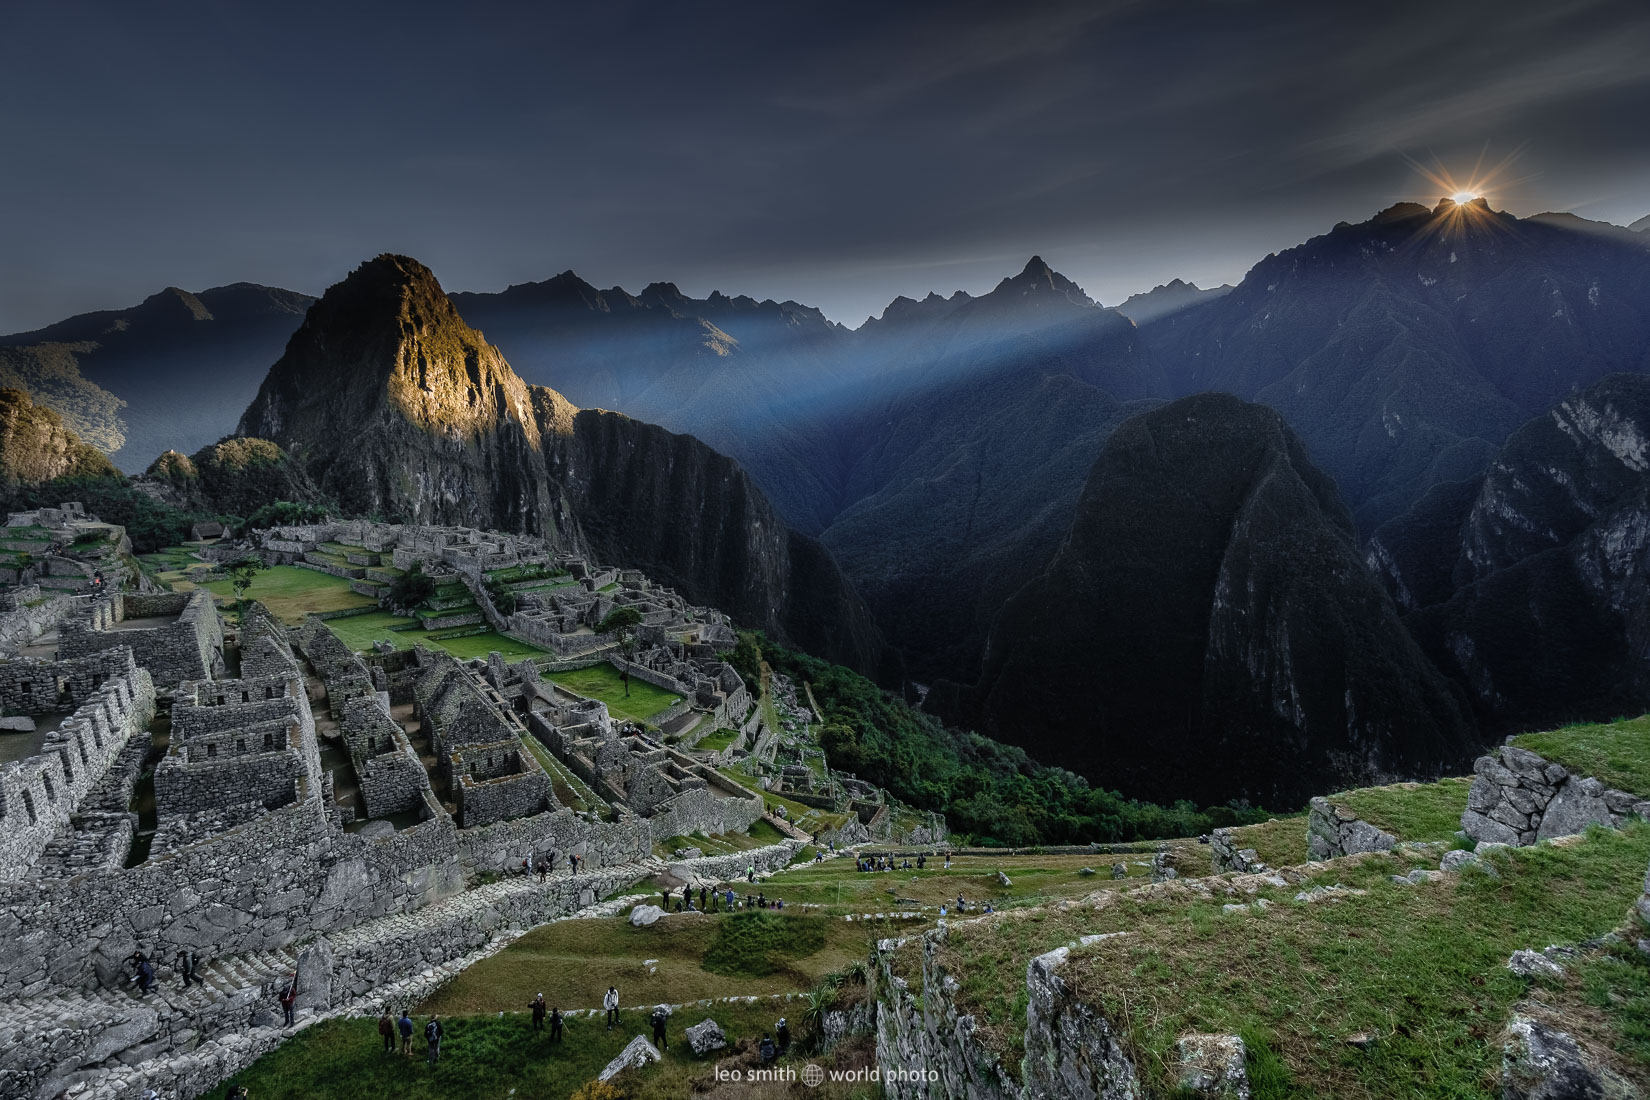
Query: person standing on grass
(555,1025)
(386,1031)
(610,1001)
(659,1017)
(702,896)
(432,1040)
(405,1026)
(538,1012)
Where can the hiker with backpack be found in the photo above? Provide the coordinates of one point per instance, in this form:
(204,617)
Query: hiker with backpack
(432,1040)
(538,1008)
(386,1031)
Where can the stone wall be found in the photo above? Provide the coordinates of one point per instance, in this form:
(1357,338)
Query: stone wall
(502,845)
(1224,850)
(188,648)
(22,624)
(699,810)
(35,687)
(1519,798)
(732,866)
(926,1048)
(497,782)
(1333,831)
(39,794)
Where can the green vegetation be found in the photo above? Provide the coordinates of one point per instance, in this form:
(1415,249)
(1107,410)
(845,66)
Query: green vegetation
(1411,811)
(1422,968)
(480,645)
(488,1057)
(1617,753)
(412,587)
(755,943)
(991,792)
(150,524)
(716,742)
(1280,842)
(572,962)
(604,682)
(287,513)
(290,593)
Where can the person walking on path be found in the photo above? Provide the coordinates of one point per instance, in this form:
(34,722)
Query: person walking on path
(543,870)
(750,872)
(660,1015)
(432,1040)
(386,1030)
(188,967)
(289,999)
(555,1025)
(610,1001)
(538,1012)
(574,860)
(405,1026)
(783,1034)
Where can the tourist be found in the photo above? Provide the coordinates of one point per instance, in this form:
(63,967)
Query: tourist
(538,1008)
(543,871)
(552,861)
(921,860)
(701,899)
(660,1015)
(432,1040)
(575,861)
(145,976)
(289,998)
(405,1026)
(611,1002)
(761,900)
(783,1031)
(766,1049)
(386,1031)
(750,873)
(555,1025)
(730,899)
(188,963)
(236,1092)
(988,908)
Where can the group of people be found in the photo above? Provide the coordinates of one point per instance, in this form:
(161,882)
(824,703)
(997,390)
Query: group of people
(545,864)
(186,966)
(889,863)
(389,1028)
(713,901)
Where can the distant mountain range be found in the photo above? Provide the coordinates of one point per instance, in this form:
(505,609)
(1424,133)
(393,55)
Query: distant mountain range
(1402,530)
(169,373)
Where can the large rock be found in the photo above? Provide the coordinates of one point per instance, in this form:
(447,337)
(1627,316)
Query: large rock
(705,1036)
(644,915)
(1071,1049)
(637,1053)
(1214,1066)
(1577,805)
(1539,1062)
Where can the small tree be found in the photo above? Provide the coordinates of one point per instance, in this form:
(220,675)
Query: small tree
(623,621)
(241,573)
(412,587)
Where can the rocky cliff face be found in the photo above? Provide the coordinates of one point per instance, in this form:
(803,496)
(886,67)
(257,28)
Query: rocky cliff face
(395,406)
(1209,630)
(1546,616)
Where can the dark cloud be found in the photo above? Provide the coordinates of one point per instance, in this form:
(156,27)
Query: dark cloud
(836,153)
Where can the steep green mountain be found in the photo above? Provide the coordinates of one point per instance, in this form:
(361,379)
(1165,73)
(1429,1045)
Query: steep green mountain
(1406,349)
(393,405)
(1532,584)
(235,476)
(172,372)
(36,446)
(1208,629)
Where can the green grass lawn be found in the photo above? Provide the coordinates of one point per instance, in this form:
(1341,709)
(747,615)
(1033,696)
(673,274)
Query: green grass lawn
(1411,811)
(500,1057)
(573,962)
(1280,842)
(602,682)
(1420,967)
(360,631)
(716,742)
(1617,753)
(290,593)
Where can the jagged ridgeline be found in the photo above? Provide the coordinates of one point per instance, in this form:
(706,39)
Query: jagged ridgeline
(394,406)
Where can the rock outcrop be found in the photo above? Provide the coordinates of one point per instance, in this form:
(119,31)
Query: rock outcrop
(1519,798)
(36,447)
(394,406)
(1208,628)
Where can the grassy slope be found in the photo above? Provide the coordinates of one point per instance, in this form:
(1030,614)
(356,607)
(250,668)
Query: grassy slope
(1422,968)
(1411,811)
(489,1057)
(1615,753)
(1280,842)
(290,592)
(573,962)
(602,682)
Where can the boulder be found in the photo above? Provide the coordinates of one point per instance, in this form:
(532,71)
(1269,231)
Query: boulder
(644,915)
(1575,806)
(1003,880)
(1483,829)
(637,1053)
(1458,860)
(1213,1066)
(1533,964)
(1539,1062)
(1119,870)
(705,1037)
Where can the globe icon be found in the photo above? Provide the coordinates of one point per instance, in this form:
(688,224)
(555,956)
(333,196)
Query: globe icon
(812,1075)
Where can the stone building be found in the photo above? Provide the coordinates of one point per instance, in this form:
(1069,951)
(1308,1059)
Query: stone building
(176,636)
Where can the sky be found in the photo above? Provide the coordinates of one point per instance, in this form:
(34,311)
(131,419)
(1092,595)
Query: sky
(835,153)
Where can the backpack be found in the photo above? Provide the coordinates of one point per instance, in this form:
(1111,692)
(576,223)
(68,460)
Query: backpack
(431,1031)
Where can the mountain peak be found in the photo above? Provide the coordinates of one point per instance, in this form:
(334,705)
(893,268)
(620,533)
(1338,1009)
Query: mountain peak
(1642,225)
(173,303)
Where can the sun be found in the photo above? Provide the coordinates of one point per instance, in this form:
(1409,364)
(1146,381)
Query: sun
(1463,197)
